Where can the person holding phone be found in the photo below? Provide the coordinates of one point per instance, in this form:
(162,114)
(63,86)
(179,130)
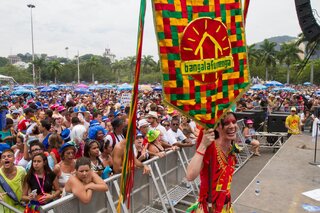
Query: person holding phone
(40,185)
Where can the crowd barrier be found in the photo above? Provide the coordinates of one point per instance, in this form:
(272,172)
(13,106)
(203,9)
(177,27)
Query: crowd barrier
(164,190)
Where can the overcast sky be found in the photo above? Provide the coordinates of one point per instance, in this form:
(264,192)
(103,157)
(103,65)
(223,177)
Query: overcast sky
(90,26)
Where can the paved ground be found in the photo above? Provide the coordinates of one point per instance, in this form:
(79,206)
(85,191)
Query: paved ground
(248,172)
(283,180)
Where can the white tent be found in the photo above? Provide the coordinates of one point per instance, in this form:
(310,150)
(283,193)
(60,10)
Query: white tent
(7,78)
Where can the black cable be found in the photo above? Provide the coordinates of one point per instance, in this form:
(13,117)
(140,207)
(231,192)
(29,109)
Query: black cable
(305,61)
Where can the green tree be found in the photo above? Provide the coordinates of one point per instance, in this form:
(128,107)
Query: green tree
(289,54)
(39,65)
(91,65)
(148,64)
(131,63)
(117,67)
(268,55)
(3,61)
(54,68)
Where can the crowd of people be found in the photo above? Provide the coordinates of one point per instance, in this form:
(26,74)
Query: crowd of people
(63,142)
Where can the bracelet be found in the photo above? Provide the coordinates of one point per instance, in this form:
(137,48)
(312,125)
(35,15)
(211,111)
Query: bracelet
(200,153)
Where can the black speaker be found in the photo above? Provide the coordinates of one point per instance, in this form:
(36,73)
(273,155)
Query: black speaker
(308,23)
(244,115)
(276,123)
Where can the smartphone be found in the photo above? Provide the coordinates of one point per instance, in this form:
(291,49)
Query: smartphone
(34,192)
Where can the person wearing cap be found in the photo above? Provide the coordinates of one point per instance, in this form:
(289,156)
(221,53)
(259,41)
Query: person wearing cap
(66,167)
(15,118)
(140,151)
(118,155)
(293,123)
(249,135)
(152,118)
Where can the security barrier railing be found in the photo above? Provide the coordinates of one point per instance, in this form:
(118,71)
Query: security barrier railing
(161,191)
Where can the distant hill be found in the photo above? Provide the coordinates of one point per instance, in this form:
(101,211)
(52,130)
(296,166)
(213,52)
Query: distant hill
(279,40)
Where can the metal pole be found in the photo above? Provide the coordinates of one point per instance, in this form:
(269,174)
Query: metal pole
(33,68)
(315,148)
(78,68)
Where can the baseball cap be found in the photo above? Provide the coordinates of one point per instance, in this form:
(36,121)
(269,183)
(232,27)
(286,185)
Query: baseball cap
(249,121)
(293,109)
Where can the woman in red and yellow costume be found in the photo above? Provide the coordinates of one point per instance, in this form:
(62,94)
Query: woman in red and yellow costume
(216,156)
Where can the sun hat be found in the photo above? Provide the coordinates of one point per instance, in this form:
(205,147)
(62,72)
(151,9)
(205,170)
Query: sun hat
(142,122)
(293,109)
(152,114)
(152,135)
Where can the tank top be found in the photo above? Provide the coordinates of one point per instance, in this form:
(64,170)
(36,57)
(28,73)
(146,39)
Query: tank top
(63,178)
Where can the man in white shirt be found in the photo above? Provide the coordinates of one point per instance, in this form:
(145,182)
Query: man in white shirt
(152,118)
(176,136)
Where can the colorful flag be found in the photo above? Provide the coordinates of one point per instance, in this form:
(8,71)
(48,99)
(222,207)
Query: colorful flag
(203,56)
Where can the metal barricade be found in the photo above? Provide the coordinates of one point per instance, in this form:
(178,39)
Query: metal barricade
(5,208)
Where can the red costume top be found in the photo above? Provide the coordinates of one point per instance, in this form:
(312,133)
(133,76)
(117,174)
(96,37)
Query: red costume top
(222,171)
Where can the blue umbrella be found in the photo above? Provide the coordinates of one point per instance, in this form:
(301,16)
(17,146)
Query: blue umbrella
(4,88)
(82,91)
(54,86)
(125,87)
(93,87)
(23,92)
(288,89)
(258,87)
(40,87)
(47,89)
(28,86)
(273,84)
(307,83)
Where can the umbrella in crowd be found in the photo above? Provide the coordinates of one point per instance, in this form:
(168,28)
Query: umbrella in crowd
(82,91)
(258,87)
(273,84)
(125,86)
(4,88)
(28,86)
(54,86)
(47,89)
(307,83)
(82,86)
(23,91)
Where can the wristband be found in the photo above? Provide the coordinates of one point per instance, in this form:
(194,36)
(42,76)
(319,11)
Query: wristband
(200,153)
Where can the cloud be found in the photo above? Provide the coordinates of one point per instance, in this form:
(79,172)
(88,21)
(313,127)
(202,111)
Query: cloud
(91,26)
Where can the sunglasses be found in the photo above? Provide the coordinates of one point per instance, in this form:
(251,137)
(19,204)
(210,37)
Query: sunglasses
(166,124)
(175,124)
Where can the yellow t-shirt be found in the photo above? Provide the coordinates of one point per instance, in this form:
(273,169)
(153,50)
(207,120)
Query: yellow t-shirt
(293,122)
(16,186)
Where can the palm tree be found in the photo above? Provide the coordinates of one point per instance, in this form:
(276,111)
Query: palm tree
(289,53)
(92,63)
(39,64)
(54,68)
(147,63)
(268,55)
(116,67)
(253,54)
(131,62)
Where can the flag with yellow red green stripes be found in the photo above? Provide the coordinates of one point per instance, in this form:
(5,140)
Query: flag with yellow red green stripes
(203,56)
